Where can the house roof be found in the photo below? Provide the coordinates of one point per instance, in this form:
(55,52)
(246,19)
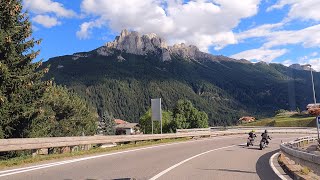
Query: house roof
(313,105)
(127,125)
(247,118)
(120,121)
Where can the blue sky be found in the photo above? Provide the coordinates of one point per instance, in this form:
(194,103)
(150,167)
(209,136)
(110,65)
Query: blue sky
(281,31)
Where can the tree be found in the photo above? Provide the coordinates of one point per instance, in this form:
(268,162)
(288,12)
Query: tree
(21,88)
(107,124)
(168,125)
(64,113)
(280,111)
(186,116)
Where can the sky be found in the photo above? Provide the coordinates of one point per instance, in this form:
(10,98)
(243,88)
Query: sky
(274,31)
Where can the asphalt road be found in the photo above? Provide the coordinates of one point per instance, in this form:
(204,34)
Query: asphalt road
(212,158)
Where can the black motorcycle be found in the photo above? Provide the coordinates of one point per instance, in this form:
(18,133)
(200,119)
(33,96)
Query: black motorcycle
(263,143)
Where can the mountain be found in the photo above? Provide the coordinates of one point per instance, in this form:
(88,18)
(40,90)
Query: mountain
(300,67)
(122,76)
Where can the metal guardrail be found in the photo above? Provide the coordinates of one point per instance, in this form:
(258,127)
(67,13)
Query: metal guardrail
(221,128)
(293,151)
(193,130)
(39,143)
(51,142)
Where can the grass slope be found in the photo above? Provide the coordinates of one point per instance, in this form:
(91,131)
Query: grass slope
(286,121)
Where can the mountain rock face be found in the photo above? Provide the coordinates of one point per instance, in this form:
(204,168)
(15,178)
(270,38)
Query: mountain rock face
(134,43)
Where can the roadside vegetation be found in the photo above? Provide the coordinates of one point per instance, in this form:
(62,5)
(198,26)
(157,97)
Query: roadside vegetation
(29,105)
(183,116)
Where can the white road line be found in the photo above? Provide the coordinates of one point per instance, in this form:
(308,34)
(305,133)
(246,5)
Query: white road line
(275,170)
(42,166)
(186,160)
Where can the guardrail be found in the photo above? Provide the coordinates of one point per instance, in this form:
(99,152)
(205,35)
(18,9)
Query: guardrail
(53,142)
(294,152)
(193,130)
(222,128)
(38,143)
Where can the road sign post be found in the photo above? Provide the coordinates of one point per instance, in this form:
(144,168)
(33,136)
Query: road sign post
(156,112)
(318,126)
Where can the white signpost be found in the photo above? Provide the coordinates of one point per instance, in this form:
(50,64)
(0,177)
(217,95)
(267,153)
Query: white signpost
(156,113)
(318,125)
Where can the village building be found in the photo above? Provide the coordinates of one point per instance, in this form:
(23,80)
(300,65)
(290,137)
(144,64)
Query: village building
(247,119)
(126,128)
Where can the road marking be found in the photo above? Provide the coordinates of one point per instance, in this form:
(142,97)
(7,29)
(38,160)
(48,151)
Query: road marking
(186,160)
(42,166)
(275,170)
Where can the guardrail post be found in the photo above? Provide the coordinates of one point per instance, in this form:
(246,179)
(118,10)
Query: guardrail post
(66,149)
(43,151)
(34,152)
(75,148)
(87,147)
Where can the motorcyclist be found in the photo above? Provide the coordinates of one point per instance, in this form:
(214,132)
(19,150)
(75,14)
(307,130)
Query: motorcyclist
(265,136)
(252,135)
(251,138)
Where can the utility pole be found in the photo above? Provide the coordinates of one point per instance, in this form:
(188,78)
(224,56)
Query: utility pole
(314,100)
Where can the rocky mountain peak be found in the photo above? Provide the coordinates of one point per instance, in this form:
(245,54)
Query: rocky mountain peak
(134,43)
(185,51)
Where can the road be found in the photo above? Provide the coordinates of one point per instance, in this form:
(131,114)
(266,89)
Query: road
(212,158)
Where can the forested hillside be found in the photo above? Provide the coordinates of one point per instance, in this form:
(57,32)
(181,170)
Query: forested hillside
(123,84)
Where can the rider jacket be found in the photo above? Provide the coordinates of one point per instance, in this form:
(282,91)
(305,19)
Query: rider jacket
(252,135)
(265,136)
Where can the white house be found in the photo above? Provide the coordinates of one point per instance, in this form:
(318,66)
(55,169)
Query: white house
(128,129)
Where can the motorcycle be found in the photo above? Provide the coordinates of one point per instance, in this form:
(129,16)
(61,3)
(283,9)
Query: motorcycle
(250,141)
(263,144)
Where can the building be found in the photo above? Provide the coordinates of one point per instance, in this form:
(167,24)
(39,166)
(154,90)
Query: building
(120,121)
(128,129)
(247,119)
(311,106)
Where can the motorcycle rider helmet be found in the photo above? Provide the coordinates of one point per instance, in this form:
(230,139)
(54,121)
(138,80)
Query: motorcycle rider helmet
(265,131)
(253,131)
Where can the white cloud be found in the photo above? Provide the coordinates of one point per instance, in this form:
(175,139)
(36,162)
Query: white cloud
(85,28)
(274,35)
(308,37)
(260,31)
(315,62)
(48,6)
(200,22)
(46,21)
(300,9)
(314,54)
(287,62)
(266,55)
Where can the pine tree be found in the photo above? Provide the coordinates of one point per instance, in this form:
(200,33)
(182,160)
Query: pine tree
(65,114)
(107,124)
(21,88)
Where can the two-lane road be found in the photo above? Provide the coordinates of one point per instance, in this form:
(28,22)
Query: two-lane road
(213,158)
